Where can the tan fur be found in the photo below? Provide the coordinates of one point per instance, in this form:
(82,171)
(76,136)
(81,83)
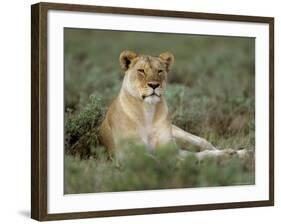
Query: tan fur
(134,114)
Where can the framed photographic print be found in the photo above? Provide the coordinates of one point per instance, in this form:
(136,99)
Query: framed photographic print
(138,111)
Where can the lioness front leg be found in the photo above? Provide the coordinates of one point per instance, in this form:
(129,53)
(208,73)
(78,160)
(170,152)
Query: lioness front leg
(189,141)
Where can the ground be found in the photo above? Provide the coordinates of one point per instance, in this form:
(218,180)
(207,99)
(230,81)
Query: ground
(211,93)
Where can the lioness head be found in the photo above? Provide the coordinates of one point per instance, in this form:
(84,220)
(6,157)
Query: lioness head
(145,76)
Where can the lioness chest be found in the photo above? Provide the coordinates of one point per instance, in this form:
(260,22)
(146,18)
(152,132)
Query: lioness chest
(153,130)
(146,123)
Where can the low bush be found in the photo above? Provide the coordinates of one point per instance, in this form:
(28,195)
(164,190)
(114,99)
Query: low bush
(81,129)
(134,168)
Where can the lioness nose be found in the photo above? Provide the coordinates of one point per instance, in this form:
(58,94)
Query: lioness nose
(153,85)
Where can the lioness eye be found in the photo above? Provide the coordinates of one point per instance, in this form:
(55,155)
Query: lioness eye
(141,71)
(160,71)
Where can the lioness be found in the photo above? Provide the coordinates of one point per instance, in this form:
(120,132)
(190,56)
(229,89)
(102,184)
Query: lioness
(140,111)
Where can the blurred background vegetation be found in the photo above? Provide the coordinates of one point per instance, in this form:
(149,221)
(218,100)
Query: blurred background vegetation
(211,93)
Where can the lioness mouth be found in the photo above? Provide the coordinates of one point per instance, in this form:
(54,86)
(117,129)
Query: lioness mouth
(152,94)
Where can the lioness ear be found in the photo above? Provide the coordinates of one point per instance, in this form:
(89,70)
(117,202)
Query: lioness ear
(168,59)
(126,58)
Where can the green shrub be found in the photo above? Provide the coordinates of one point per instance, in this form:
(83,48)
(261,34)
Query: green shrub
(134,168)
(81,128)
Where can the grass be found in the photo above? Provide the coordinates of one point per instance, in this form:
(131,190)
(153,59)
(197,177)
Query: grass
(211,93)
